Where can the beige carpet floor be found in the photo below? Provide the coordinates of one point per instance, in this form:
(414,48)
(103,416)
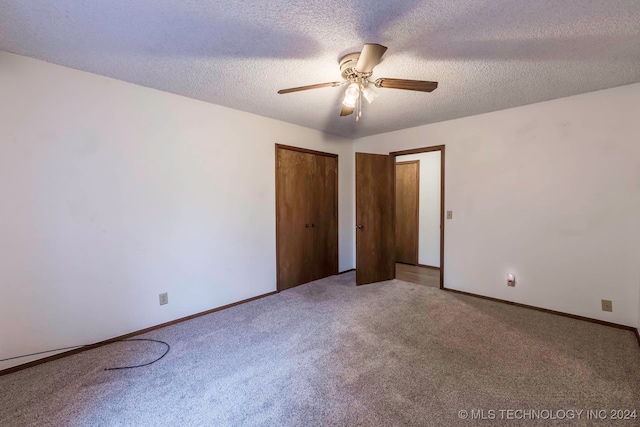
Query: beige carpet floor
(331,353)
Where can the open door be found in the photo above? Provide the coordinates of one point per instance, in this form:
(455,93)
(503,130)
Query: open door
(375,218)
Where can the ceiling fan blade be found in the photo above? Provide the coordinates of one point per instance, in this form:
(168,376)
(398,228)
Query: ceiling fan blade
(370,57)
(346,110)
(419,85)
(318,86)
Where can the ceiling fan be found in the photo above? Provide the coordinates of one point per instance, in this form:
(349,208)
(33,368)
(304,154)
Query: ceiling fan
(356,69)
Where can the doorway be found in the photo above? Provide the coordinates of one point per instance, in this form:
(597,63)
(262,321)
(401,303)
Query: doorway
(376,246)
(420,215)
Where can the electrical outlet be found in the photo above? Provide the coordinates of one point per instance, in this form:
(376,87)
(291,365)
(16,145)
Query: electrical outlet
(607,305)
(449,214)
(164,298)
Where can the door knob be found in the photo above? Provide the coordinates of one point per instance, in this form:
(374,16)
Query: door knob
(306,225)
(359,227)
(313,225)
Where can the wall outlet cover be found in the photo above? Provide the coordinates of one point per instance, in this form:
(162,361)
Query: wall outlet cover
(164,298)
(607,305)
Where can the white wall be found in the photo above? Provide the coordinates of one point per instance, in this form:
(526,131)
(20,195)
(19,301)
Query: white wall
(429,207)
(113,193)
(550,192)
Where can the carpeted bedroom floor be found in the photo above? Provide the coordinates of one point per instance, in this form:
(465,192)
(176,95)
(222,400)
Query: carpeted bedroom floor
(331,353)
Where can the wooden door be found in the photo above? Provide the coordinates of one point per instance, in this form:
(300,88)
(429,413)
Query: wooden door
(293,217)
(407,211)
(375,218)
(324,220)
(306,215)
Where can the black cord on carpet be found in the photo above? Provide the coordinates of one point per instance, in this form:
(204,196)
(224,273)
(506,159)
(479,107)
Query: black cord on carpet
(144,364)
(94,345)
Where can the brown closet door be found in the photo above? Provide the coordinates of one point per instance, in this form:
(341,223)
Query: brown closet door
(294,171)
(325,217)
(407,201)
(306,216)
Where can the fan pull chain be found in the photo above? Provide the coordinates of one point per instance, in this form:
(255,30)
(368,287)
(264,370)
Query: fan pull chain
(360,96)
(359,103)
(361,88)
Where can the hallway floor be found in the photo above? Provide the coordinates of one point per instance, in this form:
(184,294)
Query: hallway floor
(418,275)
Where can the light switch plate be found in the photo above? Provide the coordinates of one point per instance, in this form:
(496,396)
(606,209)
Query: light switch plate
(607,305)
(449,214)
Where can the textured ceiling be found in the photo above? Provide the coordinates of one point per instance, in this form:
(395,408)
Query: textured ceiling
(486,54)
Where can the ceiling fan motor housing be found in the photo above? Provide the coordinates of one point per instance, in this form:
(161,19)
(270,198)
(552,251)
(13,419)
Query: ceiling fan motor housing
(348,68)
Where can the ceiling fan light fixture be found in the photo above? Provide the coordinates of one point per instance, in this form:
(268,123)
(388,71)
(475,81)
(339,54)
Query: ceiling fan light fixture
(351,95)
(348,102)
(369,94)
